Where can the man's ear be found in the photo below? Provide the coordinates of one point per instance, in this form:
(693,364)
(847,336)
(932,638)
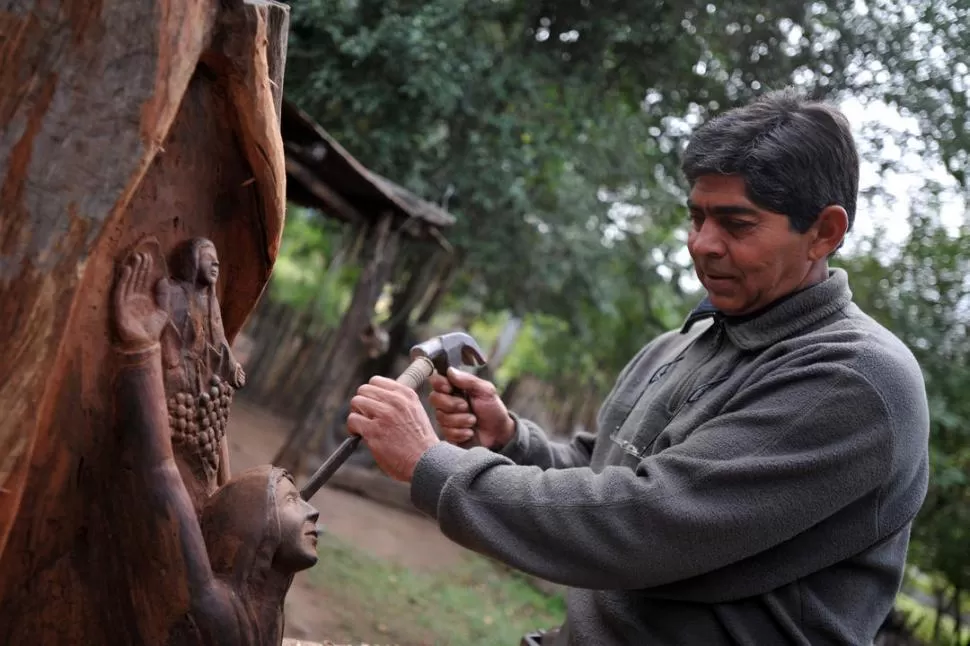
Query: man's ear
(828,232)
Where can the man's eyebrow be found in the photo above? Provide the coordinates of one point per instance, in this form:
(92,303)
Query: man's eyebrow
(725,210)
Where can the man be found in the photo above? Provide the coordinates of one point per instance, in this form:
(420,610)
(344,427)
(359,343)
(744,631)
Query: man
(755,473)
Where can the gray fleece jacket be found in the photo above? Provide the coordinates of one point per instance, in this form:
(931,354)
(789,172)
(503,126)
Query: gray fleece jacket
(752,482)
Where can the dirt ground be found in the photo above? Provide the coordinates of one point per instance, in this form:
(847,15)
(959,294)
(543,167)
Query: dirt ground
(396,536)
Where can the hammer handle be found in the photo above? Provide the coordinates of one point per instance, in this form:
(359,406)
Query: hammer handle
(417,373)
(413,377)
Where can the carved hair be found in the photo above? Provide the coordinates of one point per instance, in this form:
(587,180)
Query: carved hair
(241,525)
(187,257)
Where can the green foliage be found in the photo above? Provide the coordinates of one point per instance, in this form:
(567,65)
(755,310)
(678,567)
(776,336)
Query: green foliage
(309,273)
(533,121)
(474,604)
(927,618)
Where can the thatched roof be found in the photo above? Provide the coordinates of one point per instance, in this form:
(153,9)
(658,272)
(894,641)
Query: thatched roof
(321,174)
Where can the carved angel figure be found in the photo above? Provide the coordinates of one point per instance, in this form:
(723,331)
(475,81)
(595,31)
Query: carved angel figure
(255,531)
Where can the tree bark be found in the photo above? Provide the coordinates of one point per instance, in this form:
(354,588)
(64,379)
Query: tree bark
(957,615)
(446,276)
(421,275)
(940,610)
(117,120)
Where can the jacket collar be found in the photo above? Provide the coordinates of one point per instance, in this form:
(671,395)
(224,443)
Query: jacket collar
(784,318)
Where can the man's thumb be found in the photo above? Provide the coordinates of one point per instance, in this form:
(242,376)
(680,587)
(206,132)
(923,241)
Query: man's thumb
(467,382)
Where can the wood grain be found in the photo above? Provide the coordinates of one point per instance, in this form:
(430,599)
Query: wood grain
(117,120)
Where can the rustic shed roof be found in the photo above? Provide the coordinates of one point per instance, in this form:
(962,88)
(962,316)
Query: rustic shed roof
(321,174)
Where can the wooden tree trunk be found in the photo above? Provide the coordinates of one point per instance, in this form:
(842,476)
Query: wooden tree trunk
(421,276)
(118,120)
(446,276)
(342,363)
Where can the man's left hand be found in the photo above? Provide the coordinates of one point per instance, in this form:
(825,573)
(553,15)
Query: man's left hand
(392,421)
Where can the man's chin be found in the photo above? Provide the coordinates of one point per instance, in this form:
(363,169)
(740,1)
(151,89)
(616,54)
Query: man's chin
(725,304)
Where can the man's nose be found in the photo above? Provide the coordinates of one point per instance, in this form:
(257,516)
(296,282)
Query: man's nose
(707,241)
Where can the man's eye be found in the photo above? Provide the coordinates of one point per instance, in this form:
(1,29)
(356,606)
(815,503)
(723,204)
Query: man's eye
(739,225)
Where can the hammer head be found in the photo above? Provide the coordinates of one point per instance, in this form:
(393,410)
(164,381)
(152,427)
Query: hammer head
(451,350)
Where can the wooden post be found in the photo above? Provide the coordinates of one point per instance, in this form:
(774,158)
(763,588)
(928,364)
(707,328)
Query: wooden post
(341,364)
(118,121)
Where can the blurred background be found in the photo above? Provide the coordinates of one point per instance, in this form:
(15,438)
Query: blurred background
(510,168)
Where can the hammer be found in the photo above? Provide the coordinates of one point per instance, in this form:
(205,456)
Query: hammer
(438,354)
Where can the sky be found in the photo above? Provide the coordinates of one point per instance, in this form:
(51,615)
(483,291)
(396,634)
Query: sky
(912,172)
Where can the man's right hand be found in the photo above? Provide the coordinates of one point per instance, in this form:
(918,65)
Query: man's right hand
(488,414)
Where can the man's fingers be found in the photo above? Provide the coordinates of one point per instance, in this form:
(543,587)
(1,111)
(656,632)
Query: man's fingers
(471,384)
(457,435)
(366,405)
(357,424)
(390,385)
(460,420)
(447,403)
(392,398)
(440,384)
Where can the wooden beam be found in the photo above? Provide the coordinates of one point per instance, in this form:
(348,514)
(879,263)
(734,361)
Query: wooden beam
(333,202)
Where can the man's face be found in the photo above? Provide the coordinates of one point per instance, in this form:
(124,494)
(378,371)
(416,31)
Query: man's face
(298,530)
(746,257)
(208,266)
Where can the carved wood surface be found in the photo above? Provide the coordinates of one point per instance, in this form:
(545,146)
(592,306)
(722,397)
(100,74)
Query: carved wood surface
(117,120)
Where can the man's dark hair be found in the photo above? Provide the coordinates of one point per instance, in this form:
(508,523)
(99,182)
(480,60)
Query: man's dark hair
(796,156)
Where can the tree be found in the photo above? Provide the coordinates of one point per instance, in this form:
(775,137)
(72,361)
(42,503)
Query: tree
(532,121)
(552,131)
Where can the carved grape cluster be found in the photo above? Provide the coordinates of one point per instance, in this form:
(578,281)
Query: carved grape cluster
(199,422)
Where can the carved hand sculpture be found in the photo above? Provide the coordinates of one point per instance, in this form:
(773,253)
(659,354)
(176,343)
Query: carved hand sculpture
(138,316)
(255,532)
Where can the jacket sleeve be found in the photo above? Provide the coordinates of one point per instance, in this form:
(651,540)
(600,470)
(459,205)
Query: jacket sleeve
(530,446)
(786,452)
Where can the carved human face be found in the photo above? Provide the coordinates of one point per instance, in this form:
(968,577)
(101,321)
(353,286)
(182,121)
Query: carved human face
(298,529)
(208,265)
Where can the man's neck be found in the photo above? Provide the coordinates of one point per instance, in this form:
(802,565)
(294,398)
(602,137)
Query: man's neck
(815,275)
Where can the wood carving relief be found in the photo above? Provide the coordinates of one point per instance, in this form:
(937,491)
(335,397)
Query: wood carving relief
(255,531)
(146,127)
(200,372)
